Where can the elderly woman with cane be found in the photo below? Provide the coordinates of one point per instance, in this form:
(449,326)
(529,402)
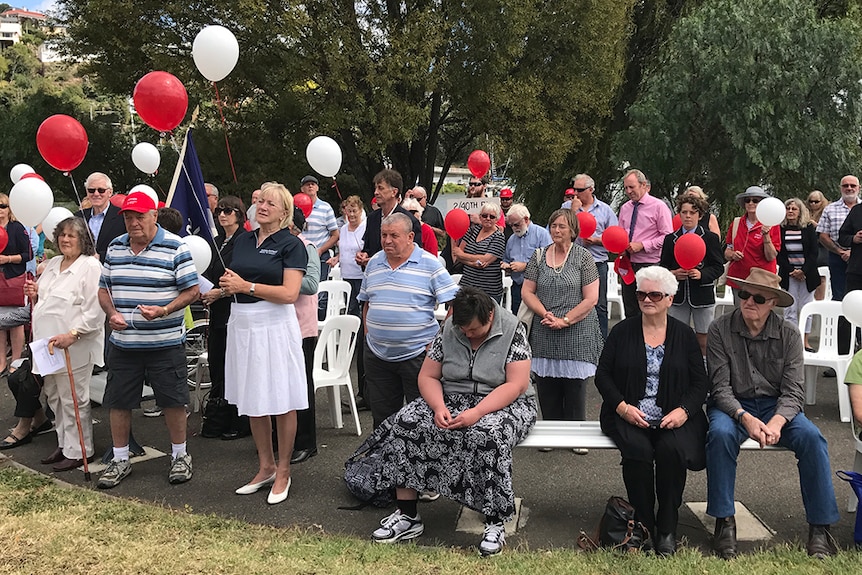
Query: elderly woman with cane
(68,315)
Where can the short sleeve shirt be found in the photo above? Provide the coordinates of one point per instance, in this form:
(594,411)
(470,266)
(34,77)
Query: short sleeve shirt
(265,264)
(320,223)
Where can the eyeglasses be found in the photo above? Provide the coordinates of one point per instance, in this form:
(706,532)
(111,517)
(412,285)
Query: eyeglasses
(654,296)
(752,200)
(476,184)
(97,190)
(579,190)
(758,299)
(488,216)
(225,211)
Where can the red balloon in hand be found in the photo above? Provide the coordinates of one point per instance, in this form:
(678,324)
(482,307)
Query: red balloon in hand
(587,224)
(479,163)
(161,100)
(304,203)
(62,141)
(615,239)
(457,222)
(689,251)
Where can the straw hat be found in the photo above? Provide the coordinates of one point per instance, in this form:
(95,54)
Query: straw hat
(766,281)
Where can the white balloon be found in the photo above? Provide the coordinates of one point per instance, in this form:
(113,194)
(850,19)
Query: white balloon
(54,217)
(851,306)
(771,211)
(215,52)
(146,157)
(324,156)
(201,253)
(30,200)
(19,170)
(147,190)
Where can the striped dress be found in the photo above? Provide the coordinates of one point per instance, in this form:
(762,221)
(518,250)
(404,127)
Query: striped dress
(488,279)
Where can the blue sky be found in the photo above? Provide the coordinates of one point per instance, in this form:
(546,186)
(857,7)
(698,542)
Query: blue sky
(37,5)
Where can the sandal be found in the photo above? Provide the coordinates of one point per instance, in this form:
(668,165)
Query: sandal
(15,441)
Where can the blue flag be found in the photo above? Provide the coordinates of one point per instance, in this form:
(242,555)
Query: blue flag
(188,194)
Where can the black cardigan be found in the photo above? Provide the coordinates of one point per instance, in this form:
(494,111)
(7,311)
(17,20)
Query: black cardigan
(621,375)
(700,293)
(810,249)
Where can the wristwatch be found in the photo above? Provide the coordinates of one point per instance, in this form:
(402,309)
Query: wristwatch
(251,290)
(74,333)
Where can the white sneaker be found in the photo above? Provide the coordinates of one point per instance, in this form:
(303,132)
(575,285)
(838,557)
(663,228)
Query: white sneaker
(398,527)
(494,539)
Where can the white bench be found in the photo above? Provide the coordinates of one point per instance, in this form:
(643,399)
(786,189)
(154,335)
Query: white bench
(586,435)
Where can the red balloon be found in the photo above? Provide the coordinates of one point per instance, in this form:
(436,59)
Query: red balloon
(479,163)
(62,141)
(587,224)
(31,175)
(118,199)
(689,251)
(457,222)
(4,239)
(677,222)
(161,100)
(501,221)
(304,203)
(615,239)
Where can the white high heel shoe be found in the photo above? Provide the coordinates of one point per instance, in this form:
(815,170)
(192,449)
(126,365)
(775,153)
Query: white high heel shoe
(255,487)
(274,498)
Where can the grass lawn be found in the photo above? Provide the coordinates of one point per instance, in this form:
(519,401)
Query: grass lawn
(51,528)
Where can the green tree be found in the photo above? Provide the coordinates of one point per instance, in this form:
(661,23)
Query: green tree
(751,92)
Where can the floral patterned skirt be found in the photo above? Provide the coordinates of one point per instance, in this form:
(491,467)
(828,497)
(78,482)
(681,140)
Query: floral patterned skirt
(472,466)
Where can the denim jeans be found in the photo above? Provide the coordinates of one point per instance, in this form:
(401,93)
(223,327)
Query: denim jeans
(799,435)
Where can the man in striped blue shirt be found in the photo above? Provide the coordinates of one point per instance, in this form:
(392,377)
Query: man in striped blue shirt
(402,285)
(147,281)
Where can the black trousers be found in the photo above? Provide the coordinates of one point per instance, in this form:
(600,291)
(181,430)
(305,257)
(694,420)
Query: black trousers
(389,384)
(630,300)
(562,399)
(216,349)
(661,480)
(306,420)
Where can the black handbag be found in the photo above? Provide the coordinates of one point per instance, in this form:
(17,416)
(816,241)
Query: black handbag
(618,529)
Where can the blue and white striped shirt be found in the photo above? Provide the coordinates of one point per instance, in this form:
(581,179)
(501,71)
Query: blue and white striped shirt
(320,223)
(400,318)
(154,276)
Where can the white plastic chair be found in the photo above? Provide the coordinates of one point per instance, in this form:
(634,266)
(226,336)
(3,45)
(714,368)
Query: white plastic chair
(823,271)
(615,293)
(335,272)
(333,355)
(336,303)
(440,311)
(827,353)
(507,292)
(724,301)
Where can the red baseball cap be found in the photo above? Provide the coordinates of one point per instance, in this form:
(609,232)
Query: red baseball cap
(138,202)
(506,193)
(570,193)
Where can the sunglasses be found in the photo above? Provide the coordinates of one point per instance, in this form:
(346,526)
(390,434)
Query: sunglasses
(654,296)
(488,216)
(97,190)
(758,299)
(225,211)
(813,201)
(3,206)
(752,200)
(579,190)
(475,184)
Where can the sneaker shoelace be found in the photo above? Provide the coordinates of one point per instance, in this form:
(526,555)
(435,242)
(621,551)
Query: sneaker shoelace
(493,532)
(393,519)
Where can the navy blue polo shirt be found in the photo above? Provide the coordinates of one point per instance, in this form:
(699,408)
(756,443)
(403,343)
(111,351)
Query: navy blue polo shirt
(265,264)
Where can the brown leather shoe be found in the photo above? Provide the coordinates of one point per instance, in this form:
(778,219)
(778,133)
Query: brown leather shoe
(55,457)
(724,540)
(70,464)
(821,544)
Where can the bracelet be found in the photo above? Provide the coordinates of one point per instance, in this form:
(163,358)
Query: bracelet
(566,319)
(625,412)
(685,409)
(167,313)
(222,292)
(740,414)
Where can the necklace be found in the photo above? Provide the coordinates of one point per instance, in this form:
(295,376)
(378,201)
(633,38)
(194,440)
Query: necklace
(556,269)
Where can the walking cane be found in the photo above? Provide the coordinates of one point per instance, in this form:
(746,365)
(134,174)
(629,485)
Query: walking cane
(77,415)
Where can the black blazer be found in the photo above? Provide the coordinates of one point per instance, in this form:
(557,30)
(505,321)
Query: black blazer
(810,249)
(113,226)
(621,375)
(698,293)
(372,243)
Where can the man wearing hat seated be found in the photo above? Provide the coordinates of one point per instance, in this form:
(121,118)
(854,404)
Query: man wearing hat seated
(756,370)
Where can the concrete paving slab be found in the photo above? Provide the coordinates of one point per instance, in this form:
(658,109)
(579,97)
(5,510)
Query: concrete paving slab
(470,521)
(749,527)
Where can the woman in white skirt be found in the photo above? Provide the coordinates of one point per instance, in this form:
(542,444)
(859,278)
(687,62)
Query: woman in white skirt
(264,365)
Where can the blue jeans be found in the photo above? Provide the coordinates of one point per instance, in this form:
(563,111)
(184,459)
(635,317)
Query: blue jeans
(799,435)
(602,306)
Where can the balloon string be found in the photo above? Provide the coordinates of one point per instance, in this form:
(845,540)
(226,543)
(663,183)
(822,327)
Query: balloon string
(224,125)
(337,191)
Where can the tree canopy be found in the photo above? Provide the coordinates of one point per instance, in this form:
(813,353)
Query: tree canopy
(750,92)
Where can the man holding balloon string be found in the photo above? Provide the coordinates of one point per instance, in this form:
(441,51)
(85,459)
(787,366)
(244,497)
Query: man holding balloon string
(693,255)
(148,279)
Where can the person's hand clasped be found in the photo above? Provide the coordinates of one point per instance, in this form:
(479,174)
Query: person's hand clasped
(214,294)
(632,415)
(553,322)
(232,283)
(675,419)
(442,418)
(759,431)
(151,312)
(465,419)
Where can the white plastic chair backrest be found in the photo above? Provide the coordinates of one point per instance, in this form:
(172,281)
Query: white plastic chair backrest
(823,271)
(442,261)
(613,282)
(335,272)
(456,278)
(507,292)
(336,344)
(339,291)
(829,312)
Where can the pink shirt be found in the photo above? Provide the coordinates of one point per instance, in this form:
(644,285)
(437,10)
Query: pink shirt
(654,222)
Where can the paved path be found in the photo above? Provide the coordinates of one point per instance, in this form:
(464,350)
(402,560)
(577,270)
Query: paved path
(560,492)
